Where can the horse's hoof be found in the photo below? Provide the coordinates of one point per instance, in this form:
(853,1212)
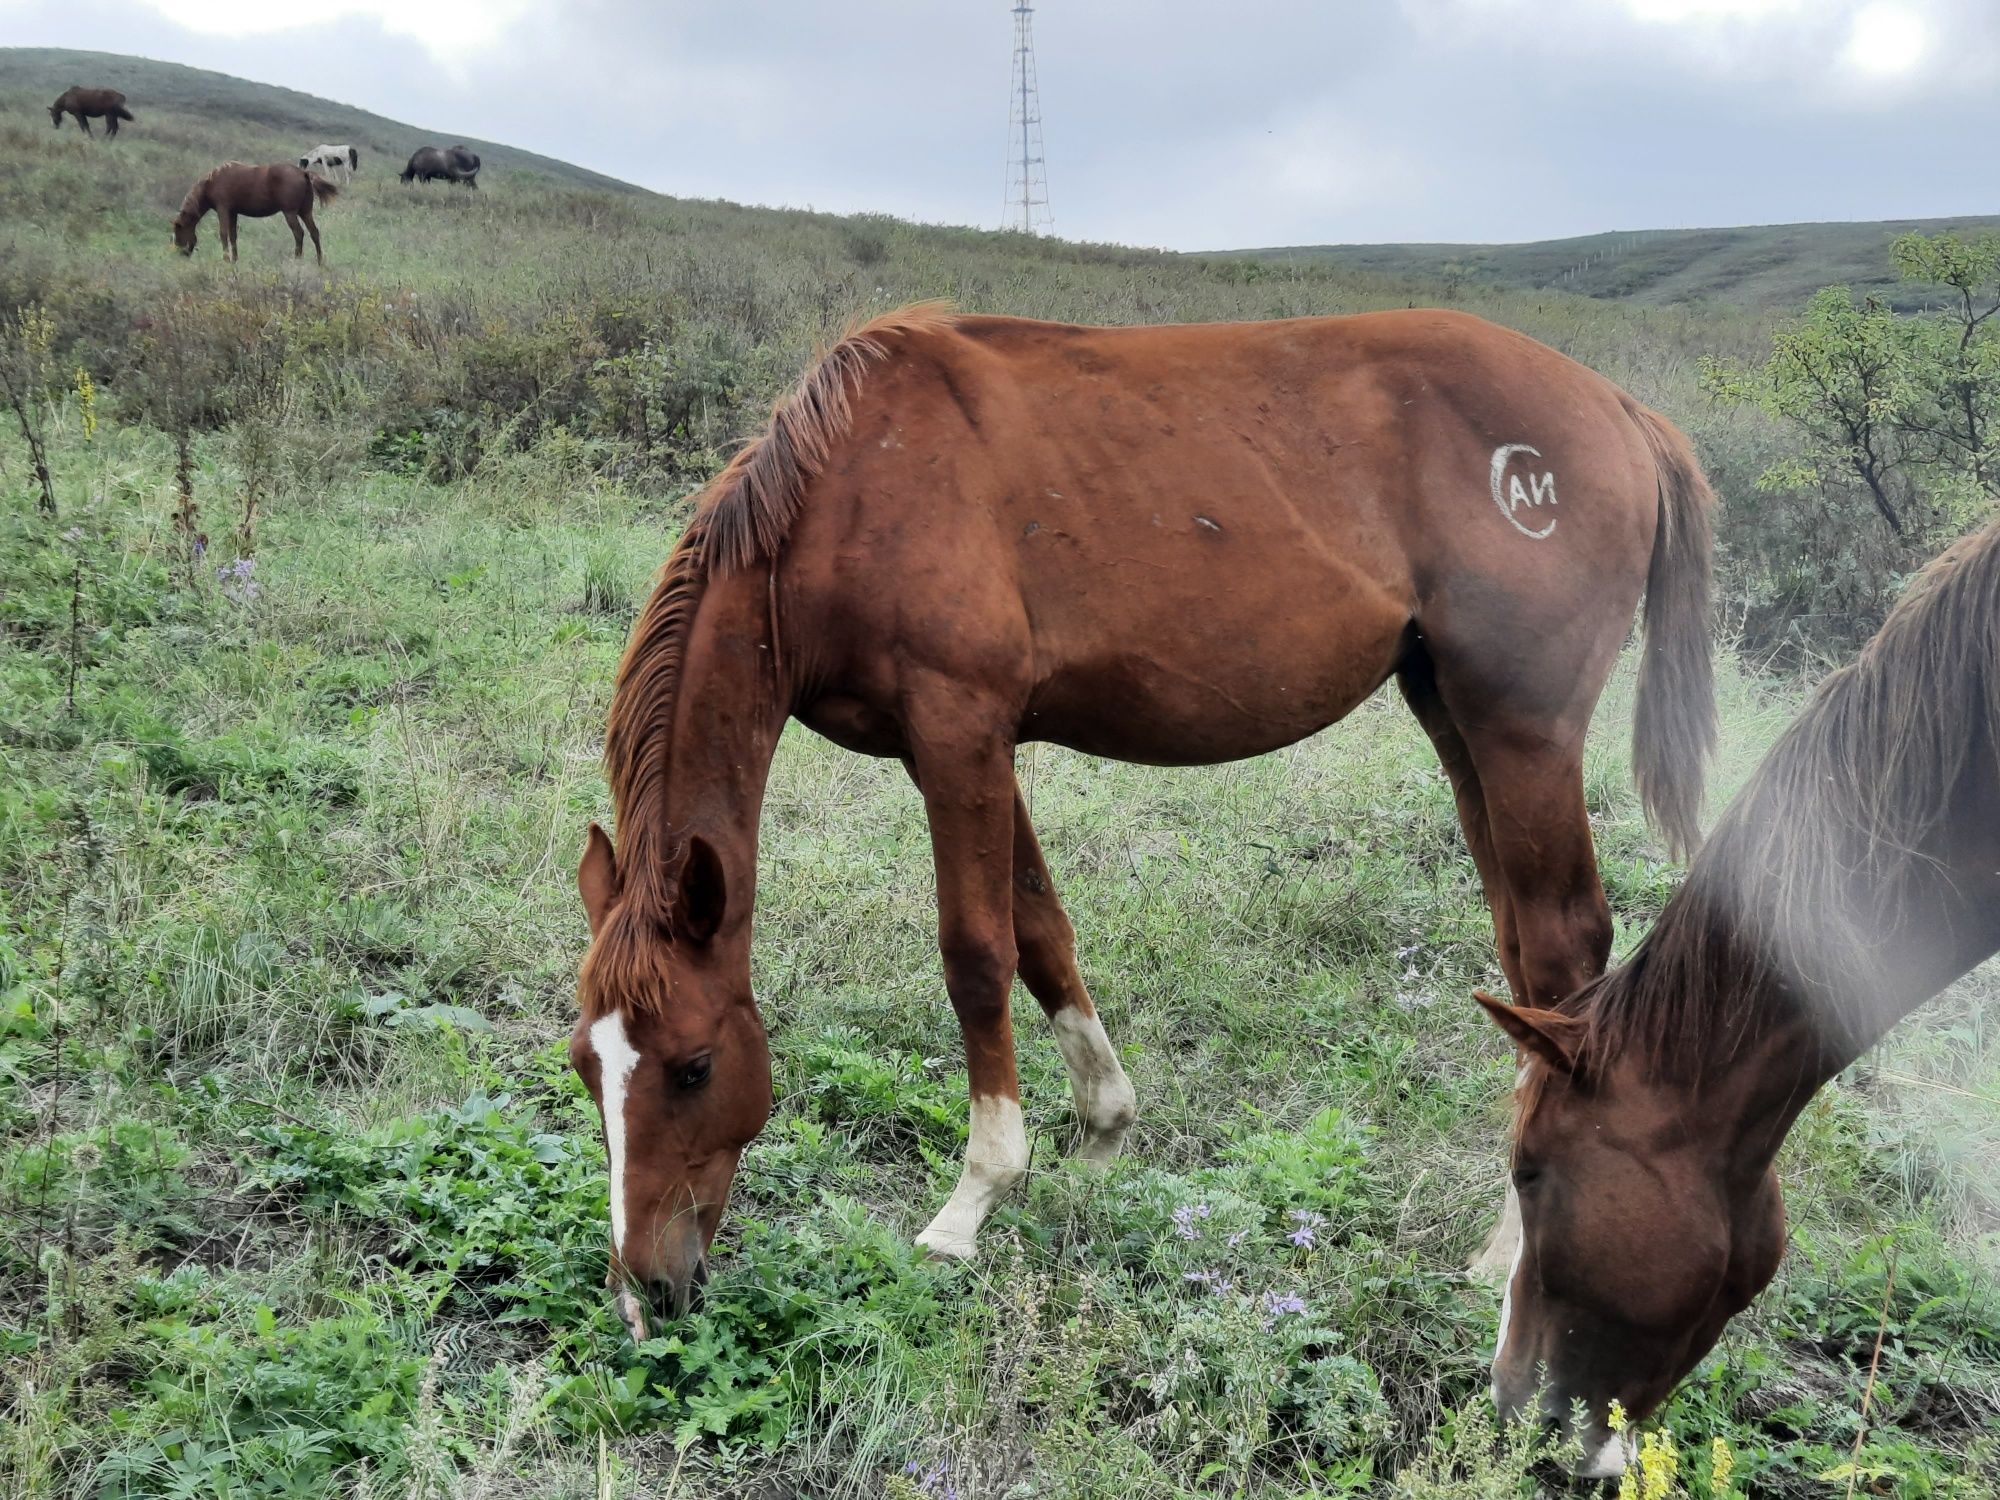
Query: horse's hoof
(946,1244)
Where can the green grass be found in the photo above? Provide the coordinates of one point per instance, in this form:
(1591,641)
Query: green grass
(297,1196)
(1769,266)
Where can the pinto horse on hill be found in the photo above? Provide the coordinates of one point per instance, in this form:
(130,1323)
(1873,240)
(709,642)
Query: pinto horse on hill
(107,105)
(238,190)
(1855,876)
(1170,545)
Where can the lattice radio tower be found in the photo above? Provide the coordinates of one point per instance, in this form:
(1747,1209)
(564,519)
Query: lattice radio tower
(1027,171)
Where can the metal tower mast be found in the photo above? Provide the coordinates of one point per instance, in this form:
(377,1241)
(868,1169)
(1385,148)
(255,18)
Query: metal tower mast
(1027,172)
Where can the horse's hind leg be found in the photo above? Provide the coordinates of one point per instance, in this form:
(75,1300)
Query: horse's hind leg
(312,227)
(1105,1103)
(964,768)
(1419,685)
(298,235)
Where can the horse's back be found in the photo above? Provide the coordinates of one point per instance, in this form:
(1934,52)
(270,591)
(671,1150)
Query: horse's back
(1235,530)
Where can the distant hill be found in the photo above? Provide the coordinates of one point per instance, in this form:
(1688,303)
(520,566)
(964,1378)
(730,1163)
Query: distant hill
(1772,265)
(272,123)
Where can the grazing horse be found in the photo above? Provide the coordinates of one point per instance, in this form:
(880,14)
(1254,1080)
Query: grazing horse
(1170,545)
(107,105)
(236,189)
(332,161)
(1854,877)
(451,164)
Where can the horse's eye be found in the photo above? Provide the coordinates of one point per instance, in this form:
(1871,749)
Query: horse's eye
(693,1075)
(1526,1176)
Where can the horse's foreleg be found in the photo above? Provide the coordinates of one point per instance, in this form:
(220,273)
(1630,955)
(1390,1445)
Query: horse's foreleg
(964,768)
(1105,1103)
(83,123)
(225,228)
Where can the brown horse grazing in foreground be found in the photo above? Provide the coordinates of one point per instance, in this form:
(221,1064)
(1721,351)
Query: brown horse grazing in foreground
(107,105)
(236,189)
(1171,545)
(1855,876)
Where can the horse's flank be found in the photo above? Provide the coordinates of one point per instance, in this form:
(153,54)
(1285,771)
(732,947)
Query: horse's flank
(743,518)
(1832,854)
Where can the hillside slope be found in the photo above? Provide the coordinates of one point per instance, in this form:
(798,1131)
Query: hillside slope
(274,124)
(1771,265)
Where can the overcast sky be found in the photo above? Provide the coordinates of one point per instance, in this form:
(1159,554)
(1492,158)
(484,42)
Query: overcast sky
(1168,122)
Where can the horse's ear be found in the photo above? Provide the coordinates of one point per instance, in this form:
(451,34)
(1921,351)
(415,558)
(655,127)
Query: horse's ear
(597,877)
(1548,1034)
(703,893)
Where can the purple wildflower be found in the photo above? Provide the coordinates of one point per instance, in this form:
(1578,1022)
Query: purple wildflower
(239,579)
(1214,1280)
(74,534)
(1305,1235)
(1238,1238)
(1184,1220)
(1277,1305)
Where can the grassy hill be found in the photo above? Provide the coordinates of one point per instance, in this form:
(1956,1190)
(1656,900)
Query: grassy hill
(270,123)
(1768,266)
(297,1193)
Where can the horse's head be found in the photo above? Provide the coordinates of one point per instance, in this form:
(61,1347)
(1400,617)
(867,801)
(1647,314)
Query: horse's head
(56,114)
(671,1047)
(1642,1234)
(184,234)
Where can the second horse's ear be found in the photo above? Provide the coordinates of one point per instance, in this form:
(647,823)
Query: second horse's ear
(597,877)
(1548,1034)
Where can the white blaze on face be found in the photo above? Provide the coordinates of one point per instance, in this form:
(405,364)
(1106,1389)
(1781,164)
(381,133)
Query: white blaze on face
(1609,1461)
(996,1157)
(616,1058)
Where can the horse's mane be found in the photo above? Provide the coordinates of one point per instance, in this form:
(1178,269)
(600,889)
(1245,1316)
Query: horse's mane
(1829,848)
(191,208)
(743,517)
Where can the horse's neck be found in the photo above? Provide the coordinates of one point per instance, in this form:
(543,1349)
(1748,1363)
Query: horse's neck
(1798,1031)
(730,708)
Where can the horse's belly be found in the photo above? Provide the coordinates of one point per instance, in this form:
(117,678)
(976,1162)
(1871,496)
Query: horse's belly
(1180,701)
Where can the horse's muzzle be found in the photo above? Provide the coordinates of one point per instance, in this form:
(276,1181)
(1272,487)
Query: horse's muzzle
(640,1307)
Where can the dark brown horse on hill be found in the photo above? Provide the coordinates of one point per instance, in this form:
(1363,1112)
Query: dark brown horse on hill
(1855,876)
(1175,545)
(447,163)
(107,105)
(237,190)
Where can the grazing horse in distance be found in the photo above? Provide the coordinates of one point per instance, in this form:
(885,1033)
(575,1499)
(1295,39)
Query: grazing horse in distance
(449,164)
(332,161)
(1854,877)
(238,190)
(107,105)
(1169,545)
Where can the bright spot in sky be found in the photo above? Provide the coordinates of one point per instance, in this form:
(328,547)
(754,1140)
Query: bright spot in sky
(1887,39)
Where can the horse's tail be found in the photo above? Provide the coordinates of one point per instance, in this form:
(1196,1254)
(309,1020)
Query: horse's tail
(122,113)
(1673,730)
(323,191)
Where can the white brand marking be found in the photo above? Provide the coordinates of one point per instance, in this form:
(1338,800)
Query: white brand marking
(616,1058)
(1510,494)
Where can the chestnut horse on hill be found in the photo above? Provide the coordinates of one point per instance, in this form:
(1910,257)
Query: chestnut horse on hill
(1171,545)
(107,105)
(238,190)
(1854,877)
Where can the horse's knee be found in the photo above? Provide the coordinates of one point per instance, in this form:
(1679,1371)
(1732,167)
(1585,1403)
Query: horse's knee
(978,971)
